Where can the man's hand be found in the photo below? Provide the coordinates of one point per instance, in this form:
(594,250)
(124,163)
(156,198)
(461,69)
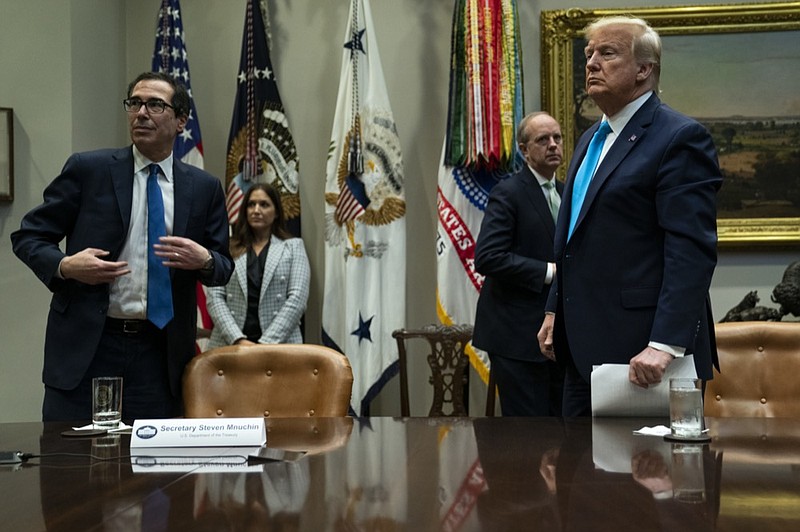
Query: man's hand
(651,471)
(547,468)
(648,367)
(545,337)
(88,267)
(181,253)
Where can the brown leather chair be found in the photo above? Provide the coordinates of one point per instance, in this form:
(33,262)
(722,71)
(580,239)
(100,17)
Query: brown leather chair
(760,361)
(284,380)
(448,362)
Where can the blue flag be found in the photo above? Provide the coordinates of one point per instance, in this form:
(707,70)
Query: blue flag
(260,146)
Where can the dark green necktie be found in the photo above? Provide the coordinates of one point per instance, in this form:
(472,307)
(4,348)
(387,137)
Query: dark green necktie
(553,199)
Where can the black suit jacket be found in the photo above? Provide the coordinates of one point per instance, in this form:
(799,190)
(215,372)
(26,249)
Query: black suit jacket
(639,264)
(514,245)
(89,204)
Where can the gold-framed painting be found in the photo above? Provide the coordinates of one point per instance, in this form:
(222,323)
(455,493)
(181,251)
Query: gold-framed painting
(6,154)
(736,69)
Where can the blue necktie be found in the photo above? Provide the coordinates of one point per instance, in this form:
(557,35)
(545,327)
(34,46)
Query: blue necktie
(159,291)
(585,173)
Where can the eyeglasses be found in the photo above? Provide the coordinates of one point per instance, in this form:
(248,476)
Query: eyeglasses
(156,107)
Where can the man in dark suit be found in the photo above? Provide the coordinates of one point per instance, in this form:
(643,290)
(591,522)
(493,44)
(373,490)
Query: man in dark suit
(100,320)
(515,253)
(636,256)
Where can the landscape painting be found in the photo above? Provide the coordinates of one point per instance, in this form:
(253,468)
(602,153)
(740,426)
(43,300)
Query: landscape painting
(736,72)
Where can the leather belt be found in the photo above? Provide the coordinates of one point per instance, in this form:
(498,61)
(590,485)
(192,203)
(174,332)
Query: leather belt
(121,326)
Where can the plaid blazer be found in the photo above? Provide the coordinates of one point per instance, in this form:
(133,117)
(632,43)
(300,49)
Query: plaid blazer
(284,294)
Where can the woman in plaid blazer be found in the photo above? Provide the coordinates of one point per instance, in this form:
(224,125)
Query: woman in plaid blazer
(267,294)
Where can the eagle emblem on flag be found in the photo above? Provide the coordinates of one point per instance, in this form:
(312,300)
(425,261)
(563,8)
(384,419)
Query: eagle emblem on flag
(373,197)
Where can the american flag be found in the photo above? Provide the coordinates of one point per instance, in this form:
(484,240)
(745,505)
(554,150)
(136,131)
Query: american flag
(260,144)
(170,57)
(352,200)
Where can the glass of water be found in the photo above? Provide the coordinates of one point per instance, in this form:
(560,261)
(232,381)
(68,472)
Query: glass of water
(688,476)
(686,407)
(106,402)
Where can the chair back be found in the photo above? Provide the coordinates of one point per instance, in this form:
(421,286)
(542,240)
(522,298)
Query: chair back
(283,380)
(759,362)
(449,366)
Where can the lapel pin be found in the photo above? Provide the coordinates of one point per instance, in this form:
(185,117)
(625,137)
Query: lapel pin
(633,137)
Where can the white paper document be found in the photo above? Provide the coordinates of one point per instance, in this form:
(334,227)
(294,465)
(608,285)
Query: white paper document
(614,445)
(614,395)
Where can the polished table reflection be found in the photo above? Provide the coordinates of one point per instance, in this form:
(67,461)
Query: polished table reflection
(417,474)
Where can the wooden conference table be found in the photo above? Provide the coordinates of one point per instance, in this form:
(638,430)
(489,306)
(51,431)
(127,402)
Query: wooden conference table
(416,474)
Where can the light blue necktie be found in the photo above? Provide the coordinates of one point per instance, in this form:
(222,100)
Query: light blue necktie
(159,290)
(585,173)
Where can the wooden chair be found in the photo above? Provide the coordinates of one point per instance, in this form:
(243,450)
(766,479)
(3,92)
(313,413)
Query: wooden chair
(284,380)
(449,366)
(759,362)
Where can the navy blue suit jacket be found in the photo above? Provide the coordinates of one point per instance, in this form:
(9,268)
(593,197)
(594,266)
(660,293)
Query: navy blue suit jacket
(639,264)
(514,245)
(89,204)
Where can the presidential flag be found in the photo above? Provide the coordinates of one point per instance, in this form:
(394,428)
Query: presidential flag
(484,107)
(261,148)
(365,236)
(170,57)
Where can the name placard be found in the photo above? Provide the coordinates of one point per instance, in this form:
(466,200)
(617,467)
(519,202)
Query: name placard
(214,432)
(195,460)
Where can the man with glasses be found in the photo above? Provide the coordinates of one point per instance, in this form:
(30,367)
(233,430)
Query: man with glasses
(141,228)
(515,253)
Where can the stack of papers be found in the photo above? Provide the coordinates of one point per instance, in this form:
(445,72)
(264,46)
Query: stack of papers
(614,395)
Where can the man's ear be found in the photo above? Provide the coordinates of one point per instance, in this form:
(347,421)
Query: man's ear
(181,123)
(644,71)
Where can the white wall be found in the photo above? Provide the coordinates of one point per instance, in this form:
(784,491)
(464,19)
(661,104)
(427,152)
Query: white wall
(59,65)
(65,68)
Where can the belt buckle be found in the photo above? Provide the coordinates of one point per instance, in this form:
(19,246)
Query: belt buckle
(130,326)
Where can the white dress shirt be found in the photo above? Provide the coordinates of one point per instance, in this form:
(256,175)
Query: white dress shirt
(128,297)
